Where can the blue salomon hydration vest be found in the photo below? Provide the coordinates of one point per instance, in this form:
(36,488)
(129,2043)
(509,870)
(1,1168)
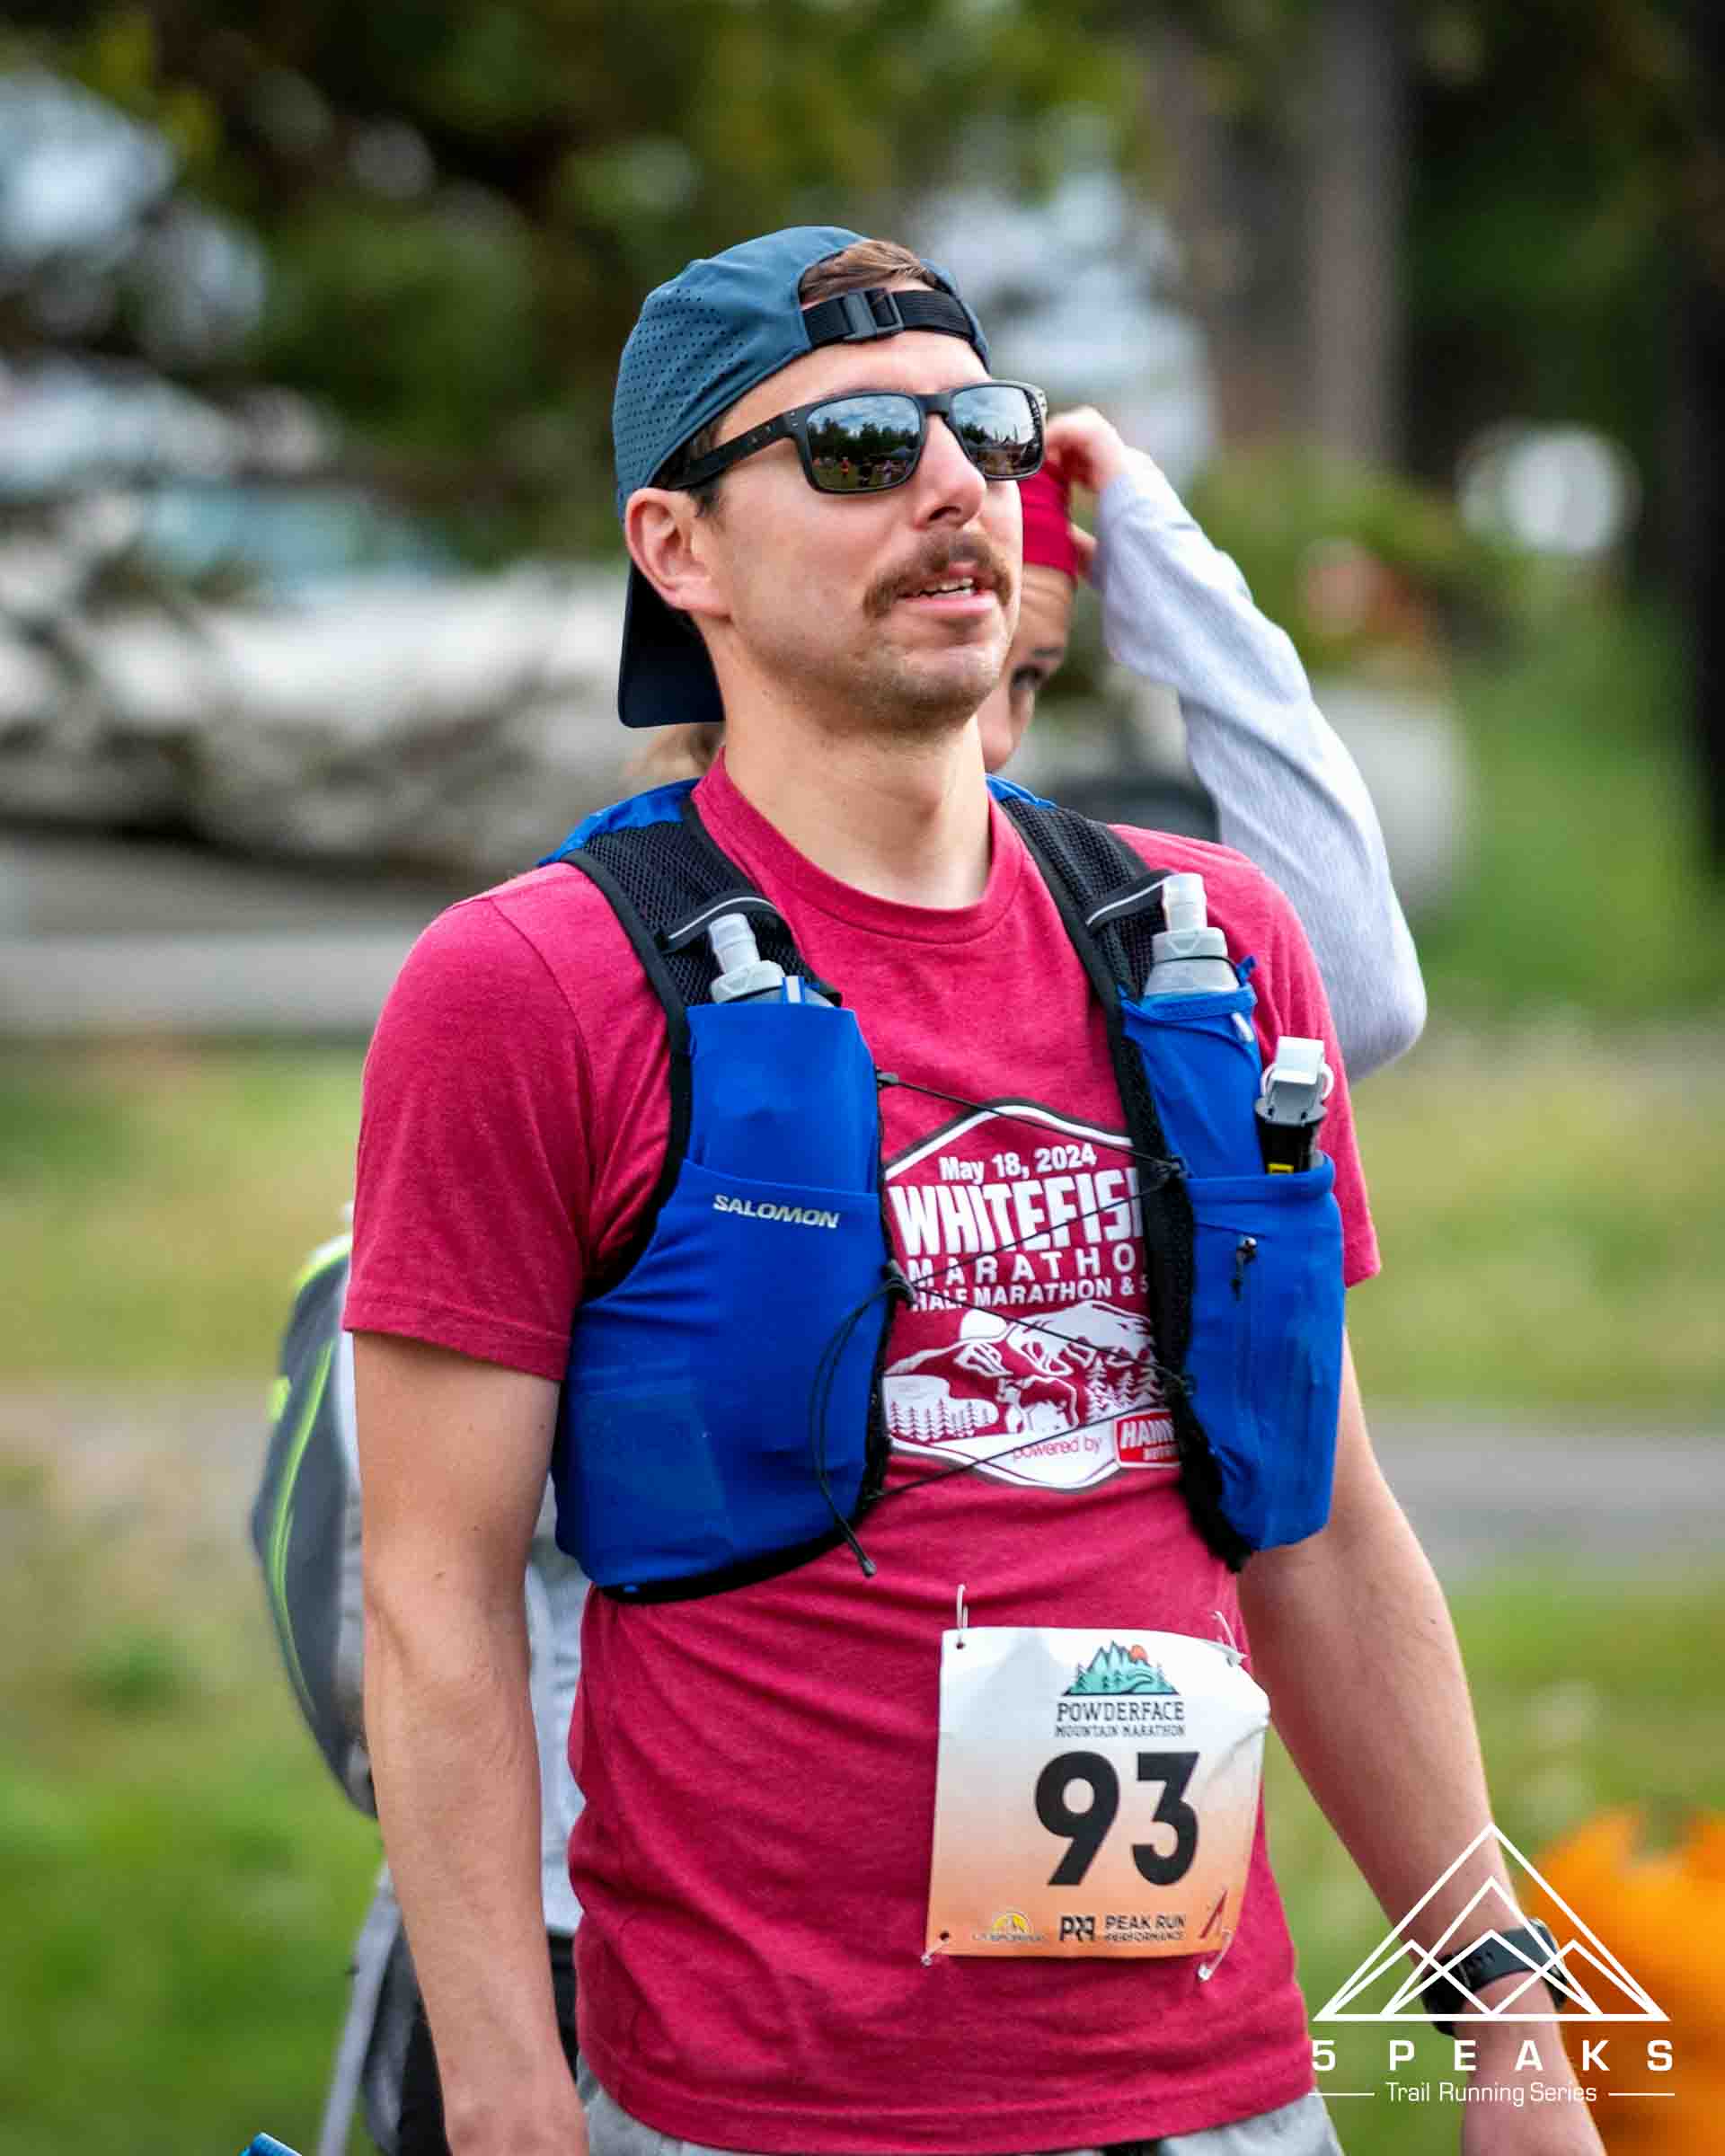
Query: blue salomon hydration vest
(678,1467)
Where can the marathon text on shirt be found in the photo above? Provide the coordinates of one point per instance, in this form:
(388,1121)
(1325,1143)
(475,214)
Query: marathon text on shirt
(1027,1345)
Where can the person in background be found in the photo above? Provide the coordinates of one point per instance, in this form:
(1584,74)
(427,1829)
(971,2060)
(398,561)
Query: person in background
(1287,793)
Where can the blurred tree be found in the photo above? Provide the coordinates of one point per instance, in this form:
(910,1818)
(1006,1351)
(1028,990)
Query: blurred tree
(1703,420)
(1221,152)
(462,201)
(1543,150)
(1550,200)
(1406,221)
(1568,240)
(1358,158)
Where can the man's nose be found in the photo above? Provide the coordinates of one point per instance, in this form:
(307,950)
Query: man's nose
(947,484)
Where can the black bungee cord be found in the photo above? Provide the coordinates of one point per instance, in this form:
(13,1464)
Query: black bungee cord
(1168,1164)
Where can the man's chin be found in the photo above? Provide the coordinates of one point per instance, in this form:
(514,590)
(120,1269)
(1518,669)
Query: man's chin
(927,716)
(904,694)
(947,686)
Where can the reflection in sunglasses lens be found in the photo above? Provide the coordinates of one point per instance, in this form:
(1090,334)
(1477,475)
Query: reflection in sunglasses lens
(858,445)
(998,426)
(863,445)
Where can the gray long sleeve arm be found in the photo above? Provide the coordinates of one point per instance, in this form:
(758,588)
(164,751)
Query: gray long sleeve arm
(1287,793)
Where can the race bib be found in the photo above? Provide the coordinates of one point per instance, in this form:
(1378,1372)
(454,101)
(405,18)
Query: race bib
(1096,1792)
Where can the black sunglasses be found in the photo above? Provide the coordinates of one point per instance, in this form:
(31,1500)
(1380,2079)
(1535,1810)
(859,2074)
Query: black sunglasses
(872,439)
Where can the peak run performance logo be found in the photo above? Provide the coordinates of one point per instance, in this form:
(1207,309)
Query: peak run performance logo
(1026,1348)
(1587,1981)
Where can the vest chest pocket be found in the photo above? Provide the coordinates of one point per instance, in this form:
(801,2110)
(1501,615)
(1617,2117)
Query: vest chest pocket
(1265,1355)
(734,1365)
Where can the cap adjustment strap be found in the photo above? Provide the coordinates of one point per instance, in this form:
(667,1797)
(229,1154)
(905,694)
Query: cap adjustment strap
(870,314)
(862,317)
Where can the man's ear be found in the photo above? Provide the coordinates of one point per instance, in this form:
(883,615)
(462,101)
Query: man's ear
(670,544)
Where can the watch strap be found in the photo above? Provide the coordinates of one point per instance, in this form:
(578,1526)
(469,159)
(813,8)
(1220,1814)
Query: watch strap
(1529,1948)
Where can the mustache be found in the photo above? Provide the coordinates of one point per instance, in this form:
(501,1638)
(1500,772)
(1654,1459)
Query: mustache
(941,560)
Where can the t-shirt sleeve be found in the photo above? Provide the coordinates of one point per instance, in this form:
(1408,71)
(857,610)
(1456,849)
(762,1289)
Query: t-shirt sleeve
(474,1183)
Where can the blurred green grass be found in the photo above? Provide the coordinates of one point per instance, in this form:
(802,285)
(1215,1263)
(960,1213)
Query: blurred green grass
(1548,1199)
(182,1878)
(155,1200)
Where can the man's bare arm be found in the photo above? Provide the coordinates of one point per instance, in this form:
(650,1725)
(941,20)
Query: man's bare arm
(1351,1638)
(453,1460)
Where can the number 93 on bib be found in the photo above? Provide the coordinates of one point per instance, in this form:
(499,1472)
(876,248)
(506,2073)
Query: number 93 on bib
(1096,1792)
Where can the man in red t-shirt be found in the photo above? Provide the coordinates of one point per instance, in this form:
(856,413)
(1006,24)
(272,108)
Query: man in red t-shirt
(776,1813)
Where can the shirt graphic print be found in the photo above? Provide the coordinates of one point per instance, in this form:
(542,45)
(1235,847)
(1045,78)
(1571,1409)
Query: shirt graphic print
(1027,1347)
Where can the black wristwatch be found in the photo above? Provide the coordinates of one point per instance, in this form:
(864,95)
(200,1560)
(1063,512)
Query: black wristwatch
(1495,1955)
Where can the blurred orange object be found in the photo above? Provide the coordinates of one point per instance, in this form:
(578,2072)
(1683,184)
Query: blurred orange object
(1663,1916)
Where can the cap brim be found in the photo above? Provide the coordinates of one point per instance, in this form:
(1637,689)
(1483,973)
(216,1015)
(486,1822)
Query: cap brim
(665,677)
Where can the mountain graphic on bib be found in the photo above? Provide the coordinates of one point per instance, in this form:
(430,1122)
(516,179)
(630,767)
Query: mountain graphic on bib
(1115,1668)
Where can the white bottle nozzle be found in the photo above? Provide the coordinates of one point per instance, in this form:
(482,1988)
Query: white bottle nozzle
(1301,1062)
(1298,1080)
(1183,902)
(1189,957)
(743,975)
(733,942)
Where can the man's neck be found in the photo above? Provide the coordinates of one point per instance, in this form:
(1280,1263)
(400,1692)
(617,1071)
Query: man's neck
(906,820)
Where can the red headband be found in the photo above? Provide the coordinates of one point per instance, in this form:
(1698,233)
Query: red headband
(1048,532)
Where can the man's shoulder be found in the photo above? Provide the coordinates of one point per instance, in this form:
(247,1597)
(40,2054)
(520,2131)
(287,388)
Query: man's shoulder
(547,933)
(554,899)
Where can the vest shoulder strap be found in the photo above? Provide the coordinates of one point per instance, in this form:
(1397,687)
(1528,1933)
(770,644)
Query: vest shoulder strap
(1111,901)
(1110,904)
(667,881)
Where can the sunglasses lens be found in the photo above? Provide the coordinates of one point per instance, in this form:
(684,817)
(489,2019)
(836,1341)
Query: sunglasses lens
(862,445)
(1000,427)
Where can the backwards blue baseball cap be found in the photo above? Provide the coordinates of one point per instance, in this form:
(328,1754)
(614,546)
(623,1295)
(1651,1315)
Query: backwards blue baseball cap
(702,341)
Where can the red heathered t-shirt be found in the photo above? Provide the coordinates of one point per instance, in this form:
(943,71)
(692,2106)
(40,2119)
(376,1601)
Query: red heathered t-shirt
(759,1765)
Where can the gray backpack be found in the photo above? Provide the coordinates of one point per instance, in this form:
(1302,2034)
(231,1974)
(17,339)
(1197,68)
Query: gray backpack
(305,1520)
(306,1531)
